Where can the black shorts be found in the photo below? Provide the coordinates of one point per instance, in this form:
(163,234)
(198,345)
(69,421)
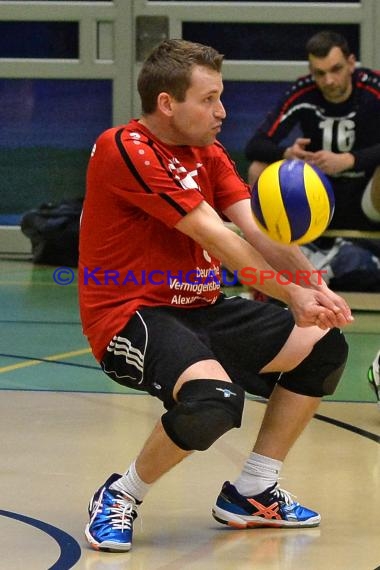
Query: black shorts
(159,343)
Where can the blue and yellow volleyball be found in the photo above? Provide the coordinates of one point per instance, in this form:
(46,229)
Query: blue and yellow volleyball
(292,202)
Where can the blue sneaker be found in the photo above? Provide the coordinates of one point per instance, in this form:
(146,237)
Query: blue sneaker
(373,376)
(274,507)
(111,519)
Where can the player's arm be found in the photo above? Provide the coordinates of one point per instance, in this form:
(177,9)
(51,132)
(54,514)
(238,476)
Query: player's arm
(280,256)
(367,158)
(331,162)
(283,257)
(262,148)
(266,143)
(309,306)
(298,150)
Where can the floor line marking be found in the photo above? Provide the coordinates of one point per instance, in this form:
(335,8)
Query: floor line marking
(70,550)
(61,356)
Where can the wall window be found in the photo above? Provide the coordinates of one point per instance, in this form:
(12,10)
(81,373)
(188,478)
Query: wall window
(257,41)
(48,128)
(42,40)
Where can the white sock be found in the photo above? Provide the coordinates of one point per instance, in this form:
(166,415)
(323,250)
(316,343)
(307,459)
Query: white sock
(259,472)
(131,484)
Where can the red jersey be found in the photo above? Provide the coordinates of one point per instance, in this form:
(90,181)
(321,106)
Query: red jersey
(131,255)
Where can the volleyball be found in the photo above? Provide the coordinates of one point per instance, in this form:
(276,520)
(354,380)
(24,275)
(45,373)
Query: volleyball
(292,202)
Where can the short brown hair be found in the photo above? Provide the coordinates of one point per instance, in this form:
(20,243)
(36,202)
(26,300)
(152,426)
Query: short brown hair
(168,68)
(321,44)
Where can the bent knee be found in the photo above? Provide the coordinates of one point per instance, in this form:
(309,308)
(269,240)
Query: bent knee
(298,346)
(319,373)
(206,409)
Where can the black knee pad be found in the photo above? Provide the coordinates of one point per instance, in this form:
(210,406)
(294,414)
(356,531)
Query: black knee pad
(319,373)
(206,409)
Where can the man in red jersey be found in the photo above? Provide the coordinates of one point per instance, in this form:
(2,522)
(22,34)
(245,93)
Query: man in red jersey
(337,111)
(152,245)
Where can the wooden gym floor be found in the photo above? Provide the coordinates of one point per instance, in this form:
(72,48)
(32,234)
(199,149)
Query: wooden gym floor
(65,427)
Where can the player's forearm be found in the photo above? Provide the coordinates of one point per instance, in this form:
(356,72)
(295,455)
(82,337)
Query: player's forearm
(250,266)
(291,259)
(205,227)
(367,158)
(282,258)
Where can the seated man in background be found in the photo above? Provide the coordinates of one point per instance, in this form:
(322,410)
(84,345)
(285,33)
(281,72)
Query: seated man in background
(337,109)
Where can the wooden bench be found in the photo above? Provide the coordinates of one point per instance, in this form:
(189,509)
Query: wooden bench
(353,234)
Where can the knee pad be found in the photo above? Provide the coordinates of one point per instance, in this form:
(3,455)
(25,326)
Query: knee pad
(205,410)
(319,373)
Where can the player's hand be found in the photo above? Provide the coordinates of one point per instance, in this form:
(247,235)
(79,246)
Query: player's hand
(315,307)
(344,309)
(331,162)
(298,150)
(343,315)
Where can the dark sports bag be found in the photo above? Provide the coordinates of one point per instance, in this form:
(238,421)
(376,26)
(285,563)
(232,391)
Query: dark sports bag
(346,266)
(53,230)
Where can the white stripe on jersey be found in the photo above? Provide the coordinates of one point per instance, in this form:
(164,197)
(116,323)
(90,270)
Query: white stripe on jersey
(317,111)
